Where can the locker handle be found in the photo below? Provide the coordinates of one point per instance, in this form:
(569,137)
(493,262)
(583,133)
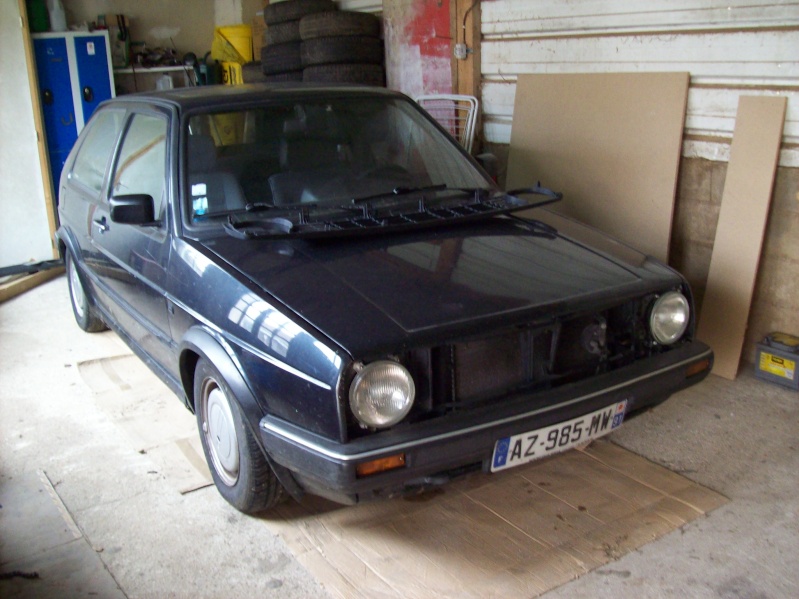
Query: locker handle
(47,97)
(88,94)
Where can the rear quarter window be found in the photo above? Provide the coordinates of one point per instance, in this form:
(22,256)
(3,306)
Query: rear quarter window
(94,153)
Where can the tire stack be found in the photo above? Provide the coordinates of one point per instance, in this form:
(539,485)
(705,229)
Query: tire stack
(310,40)
(342,47)
(280,56)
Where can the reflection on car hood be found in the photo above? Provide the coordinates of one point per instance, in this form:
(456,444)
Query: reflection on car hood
(376,293)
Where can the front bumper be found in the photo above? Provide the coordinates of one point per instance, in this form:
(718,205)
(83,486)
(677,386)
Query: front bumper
(466,440)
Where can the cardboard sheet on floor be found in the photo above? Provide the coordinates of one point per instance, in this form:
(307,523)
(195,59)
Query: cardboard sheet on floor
(152,417)
(518,533)
(740,230)
(611,142)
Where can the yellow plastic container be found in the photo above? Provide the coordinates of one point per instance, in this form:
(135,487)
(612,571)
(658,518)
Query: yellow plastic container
(231,73)
(232,43)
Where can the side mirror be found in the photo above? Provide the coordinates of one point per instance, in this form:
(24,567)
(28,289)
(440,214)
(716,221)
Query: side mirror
(133,209)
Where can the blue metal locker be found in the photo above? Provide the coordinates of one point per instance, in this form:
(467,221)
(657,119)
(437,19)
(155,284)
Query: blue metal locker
(75,75)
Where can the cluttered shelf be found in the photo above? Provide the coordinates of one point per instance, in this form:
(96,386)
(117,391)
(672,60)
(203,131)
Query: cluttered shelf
(140,78)
(145,70)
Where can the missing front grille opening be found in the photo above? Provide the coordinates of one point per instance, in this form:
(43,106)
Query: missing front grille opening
(489,366)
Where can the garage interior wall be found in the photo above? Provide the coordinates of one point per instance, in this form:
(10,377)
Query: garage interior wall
(24,226)
(189,23)
(730,48)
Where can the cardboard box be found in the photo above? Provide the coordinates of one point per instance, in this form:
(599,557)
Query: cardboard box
(258,34)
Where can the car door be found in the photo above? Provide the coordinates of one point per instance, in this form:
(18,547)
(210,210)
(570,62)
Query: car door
(132,259)
(81,190)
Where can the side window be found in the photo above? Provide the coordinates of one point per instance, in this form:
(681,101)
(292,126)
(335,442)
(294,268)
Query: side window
(141,166)
(94,153)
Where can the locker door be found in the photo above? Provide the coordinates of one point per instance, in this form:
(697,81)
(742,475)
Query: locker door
(52,67)
(93,78)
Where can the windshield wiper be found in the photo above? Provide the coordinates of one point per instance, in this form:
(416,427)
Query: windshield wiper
(481,204)
(259,206)
(399,191)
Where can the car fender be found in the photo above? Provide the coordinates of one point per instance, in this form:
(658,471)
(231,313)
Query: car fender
(67,242)
(202,342)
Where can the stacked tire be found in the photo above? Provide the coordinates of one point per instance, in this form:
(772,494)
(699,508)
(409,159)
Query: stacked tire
(343,47)
(309,40)
(280,56)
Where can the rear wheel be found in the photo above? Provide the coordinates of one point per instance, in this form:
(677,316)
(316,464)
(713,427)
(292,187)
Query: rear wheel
(82,307)
(239,468)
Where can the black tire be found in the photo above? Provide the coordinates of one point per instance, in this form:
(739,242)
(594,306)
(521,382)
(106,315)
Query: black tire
(283,77)
(337,50)
(280,33)
(83,308)
(365,74)
(252,73)
(343,22)
(241,473)
(292,10)
(281,58)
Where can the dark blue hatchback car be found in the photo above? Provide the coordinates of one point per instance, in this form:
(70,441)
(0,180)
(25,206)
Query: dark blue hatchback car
(345,299)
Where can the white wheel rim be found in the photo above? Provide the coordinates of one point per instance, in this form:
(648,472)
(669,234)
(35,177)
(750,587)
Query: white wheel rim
(76,290)
(219,429)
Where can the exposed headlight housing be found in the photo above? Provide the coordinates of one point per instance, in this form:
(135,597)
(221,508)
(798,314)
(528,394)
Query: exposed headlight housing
(669,317)
(382,394)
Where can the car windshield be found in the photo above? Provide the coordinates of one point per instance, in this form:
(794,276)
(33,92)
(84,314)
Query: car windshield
(320,155)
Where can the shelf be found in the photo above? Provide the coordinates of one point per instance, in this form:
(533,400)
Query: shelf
(145,70)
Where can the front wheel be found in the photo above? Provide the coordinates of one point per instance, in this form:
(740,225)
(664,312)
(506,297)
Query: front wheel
(239,468)
(85,313)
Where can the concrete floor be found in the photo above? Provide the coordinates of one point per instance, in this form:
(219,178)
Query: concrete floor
(93,518)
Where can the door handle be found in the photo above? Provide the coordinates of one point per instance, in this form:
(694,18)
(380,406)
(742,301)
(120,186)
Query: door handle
(102,224)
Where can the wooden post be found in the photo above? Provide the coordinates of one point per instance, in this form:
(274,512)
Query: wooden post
(41,138)
(465,23)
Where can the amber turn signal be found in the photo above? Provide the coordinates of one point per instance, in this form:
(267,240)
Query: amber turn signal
(696,368)
(380,465)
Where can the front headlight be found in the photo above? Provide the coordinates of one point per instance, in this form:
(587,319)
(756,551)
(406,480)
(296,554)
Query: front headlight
(382,394)
(669,317)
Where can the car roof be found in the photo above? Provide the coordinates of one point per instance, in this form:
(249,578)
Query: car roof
(211,96)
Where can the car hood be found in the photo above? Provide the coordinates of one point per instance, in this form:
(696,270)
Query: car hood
(381,293)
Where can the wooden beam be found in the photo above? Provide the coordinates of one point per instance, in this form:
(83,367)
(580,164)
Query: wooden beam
(27,282)
(465,27)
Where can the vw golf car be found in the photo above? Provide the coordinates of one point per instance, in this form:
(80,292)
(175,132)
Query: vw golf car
(348,303)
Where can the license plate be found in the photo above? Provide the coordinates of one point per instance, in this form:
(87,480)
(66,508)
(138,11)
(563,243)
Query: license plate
(526,447)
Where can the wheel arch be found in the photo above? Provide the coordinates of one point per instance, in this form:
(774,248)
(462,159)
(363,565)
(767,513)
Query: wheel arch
(202,343)
(66,242)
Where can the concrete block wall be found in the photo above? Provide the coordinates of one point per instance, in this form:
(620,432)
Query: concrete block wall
(775,305)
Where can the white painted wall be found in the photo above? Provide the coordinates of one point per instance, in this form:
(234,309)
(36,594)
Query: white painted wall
(24,229)
(731,48)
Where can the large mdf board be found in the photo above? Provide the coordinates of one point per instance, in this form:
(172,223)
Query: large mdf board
(741,226)
(610,142)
